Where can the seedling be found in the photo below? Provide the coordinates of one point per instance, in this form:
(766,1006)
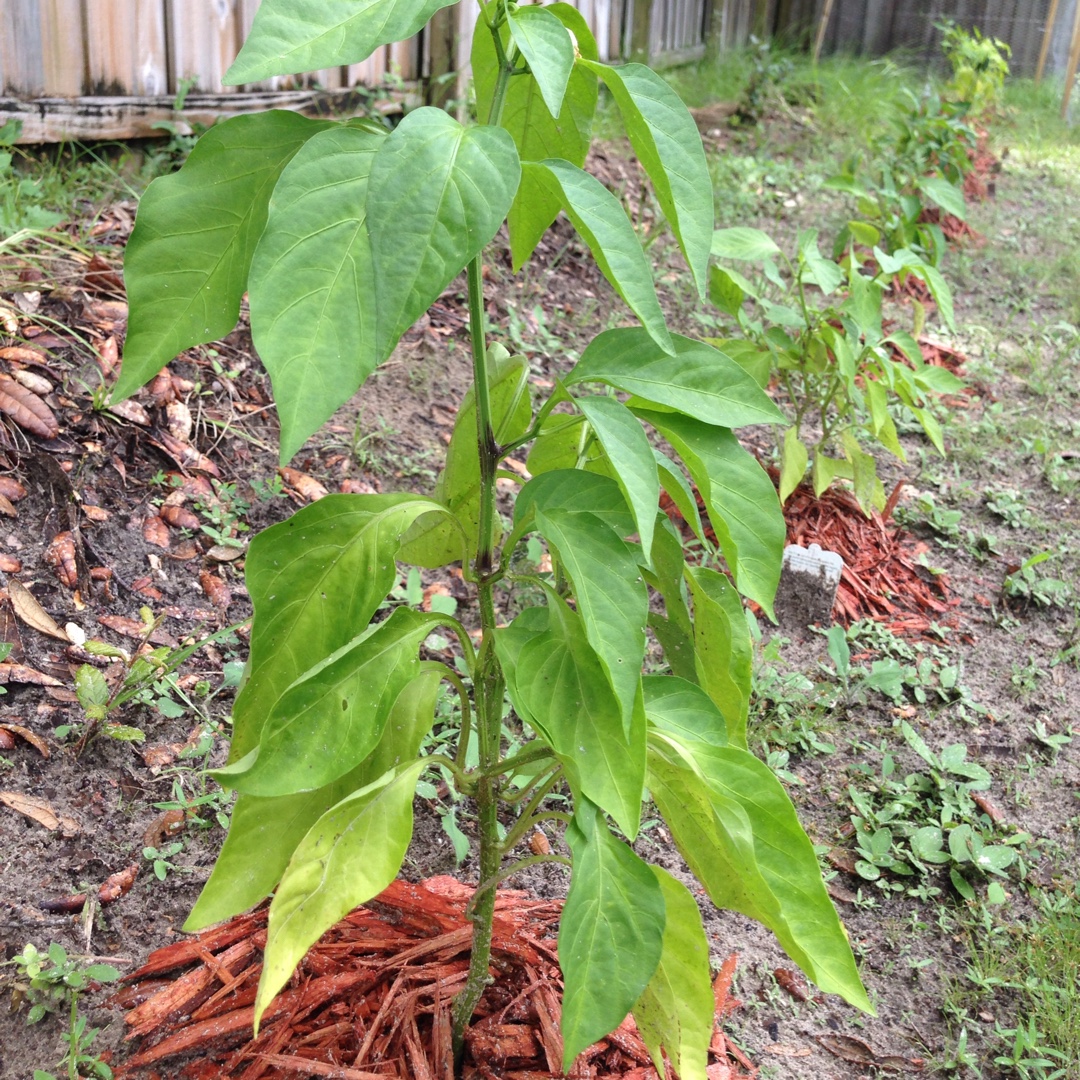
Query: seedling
(161,858)
(843,376)
(343,235)
(51,982)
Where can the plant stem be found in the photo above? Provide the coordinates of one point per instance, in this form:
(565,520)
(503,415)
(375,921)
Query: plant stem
(488,683)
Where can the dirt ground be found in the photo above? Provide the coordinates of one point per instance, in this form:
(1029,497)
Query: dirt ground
(100,481)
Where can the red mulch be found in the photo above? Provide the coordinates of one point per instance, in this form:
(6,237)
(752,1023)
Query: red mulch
(881,579)
(372,1000)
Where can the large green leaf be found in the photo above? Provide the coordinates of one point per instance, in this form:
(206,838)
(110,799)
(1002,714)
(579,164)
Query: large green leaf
(264,832)
(696,379)
(736,828)
(603,225)
(741,500)
(332,717)
(610,593)
(675,1012)
(436,541)
(547,49)
(683,709)
(536,133)
(437,193)
(292,36)
(631,456)
(312,283)
(743,243)
(611,933)
(668,145)
(723,650)
(348,856)
(558,685)
(186,264)
(712,832)
(315,581)
(575,491)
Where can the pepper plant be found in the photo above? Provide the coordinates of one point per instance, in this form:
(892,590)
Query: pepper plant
(342,235)
(843,373)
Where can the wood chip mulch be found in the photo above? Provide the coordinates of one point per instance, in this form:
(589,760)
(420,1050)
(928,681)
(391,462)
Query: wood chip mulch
(372,1000)
(882,578)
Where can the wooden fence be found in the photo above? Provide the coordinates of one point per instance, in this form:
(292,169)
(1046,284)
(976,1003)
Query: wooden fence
(876,27)
(88,69)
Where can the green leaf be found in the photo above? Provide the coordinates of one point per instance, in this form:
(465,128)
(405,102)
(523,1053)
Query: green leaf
(793,461)
(578,492)
(264,832)
(558,685)
(312,282)
(313,580)
(92,691)
(738,831)
(186,264)
(438,541)
(939,290)
(674,630)
(631,456)
(827,469)
(739,496)
(611,933)
(293,36)
(437,193)
(695,379)
(348,856)
(723,649)
(610,593)
(675,1012)
(333,716)
(745,244)
(824,273)
(536,133)
(668,145)
(725,292)
(948,196)
(805,921)
(673,481)
(547,49)
(683,709)
(601,222)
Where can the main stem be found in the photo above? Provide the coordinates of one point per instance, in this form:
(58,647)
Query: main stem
(488,684)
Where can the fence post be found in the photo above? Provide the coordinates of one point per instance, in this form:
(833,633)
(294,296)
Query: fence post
(1048,33)
(1074,61)
(640,25)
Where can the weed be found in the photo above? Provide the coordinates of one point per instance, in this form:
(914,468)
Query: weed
(1011,507)
(51,982)
(160,858)
(908,825)
(1027,585)
(979,64)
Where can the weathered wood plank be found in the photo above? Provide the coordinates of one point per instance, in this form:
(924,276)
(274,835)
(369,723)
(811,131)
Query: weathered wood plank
(125,49)
(202,37)
(63,57)
(20,47)
(47,120)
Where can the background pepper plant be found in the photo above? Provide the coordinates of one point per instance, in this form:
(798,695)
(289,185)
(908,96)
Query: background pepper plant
(343,234)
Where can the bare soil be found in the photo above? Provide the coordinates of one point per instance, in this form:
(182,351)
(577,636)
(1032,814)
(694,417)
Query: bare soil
(103,475)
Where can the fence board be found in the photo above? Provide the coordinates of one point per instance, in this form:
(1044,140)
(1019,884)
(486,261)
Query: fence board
(202,36)
(63,58)
(20,47)
(125,48)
